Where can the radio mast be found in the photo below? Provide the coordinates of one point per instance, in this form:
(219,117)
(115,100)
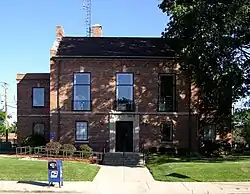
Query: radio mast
(87,7)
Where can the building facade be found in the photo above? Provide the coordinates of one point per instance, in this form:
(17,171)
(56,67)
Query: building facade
(108,92)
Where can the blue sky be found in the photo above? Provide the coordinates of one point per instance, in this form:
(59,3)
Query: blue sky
(28,30)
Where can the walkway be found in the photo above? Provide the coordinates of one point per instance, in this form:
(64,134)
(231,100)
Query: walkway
(138,180)
(126,180)
(121,179)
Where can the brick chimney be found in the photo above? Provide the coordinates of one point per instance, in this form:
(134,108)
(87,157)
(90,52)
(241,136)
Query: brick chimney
(59,32)
(59,36)
(97,30)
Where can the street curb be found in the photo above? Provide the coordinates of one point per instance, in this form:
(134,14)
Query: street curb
(38,191)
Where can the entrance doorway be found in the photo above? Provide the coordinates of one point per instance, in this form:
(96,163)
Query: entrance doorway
(124,136)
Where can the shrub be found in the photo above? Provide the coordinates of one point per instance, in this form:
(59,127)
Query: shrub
(86,150)
(34,141)
(162,150)
(182,152)
(216,148)
(53,147)
(69,148)
(152,150)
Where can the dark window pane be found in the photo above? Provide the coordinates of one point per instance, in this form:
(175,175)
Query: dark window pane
(124,79)
(167,86)
(38,96)
(39,129)
(167,131)
(209,132)
(167,93)
(81,131)
(81,78)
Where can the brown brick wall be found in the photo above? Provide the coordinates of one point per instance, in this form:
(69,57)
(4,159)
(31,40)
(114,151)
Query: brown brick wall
(26,114)
(103,74)
(25,126)
(151,135)
(98,132)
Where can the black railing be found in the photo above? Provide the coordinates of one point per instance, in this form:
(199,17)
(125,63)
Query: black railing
(79,105)
(167,104)
(124,105)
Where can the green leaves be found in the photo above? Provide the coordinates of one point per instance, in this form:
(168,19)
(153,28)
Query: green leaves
(211,38)
(242,125)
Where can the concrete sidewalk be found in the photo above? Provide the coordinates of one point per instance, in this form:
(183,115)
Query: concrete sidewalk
(113,180)
(42,187)
(127,180)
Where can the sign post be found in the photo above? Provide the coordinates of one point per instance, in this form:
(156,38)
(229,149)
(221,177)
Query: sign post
(52,136)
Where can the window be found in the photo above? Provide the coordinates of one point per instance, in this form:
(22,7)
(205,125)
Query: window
(81,131)
(167,131)
(209,132)
(38,97)
(38,129)
(81,99)
(124,91)
(167,90)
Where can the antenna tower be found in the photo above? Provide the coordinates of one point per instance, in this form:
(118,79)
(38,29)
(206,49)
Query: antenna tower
(87,7)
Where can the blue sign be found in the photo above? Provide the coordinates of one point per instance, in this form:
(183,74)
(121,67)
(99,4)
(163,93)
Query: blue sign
(55,172)
(52,136)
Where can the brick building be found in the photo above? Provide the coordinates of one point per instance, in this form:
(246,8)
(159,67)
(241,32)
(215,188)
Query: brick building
(117,92)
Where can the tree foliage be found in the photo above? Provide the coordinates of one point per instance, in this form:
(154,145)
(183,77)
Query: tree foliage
(212,38)
(242,126)
(2,123)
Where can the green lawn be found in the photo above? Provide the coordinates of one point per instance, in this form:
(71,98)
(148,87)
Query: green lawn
(16,170)
(172,169)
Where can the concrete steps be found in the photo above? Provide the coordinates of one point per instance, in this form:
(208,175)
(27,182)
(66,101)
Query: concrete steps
(123,159)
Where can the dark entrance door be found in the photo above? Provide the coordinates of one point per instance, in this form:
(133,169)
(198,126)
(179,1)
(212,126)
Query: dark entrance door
(124,136)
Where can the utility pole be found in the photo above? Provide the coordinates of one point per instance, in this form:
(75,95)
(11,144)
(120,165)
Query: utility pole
(5,86)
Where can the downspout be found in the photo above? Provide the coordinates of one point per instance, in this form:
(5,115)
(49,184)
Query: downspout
(58,101)
(189,113)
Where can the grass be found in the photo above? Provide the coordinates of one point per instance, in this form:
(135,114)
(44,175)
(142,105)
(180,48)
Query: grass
(235,169)
(24,170)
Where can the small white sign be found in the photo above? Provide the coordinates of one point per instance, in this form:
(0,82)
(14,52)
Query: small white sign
(54,174)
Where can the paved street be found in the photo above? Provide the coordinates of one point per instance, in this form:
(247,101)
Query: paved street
(113,180)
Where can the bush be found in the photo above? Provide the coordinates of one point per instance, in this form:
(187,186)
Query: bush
(34,141)
(53,147)
(182,152)
(86,150)
(162,150)
(217,148)
(69,148)
(152,150)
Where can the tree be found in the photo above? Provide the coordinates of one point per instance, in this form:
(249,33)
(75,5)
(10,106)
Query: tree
(241,132)
(2,123)
(212,38)
(13,127)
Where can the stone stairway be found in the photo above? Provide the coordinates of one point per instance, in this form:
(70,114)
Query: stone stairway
(123,159)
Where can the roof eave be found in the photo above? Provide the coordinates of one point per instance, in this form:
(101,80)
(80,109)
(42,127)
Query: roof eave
(113,57)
